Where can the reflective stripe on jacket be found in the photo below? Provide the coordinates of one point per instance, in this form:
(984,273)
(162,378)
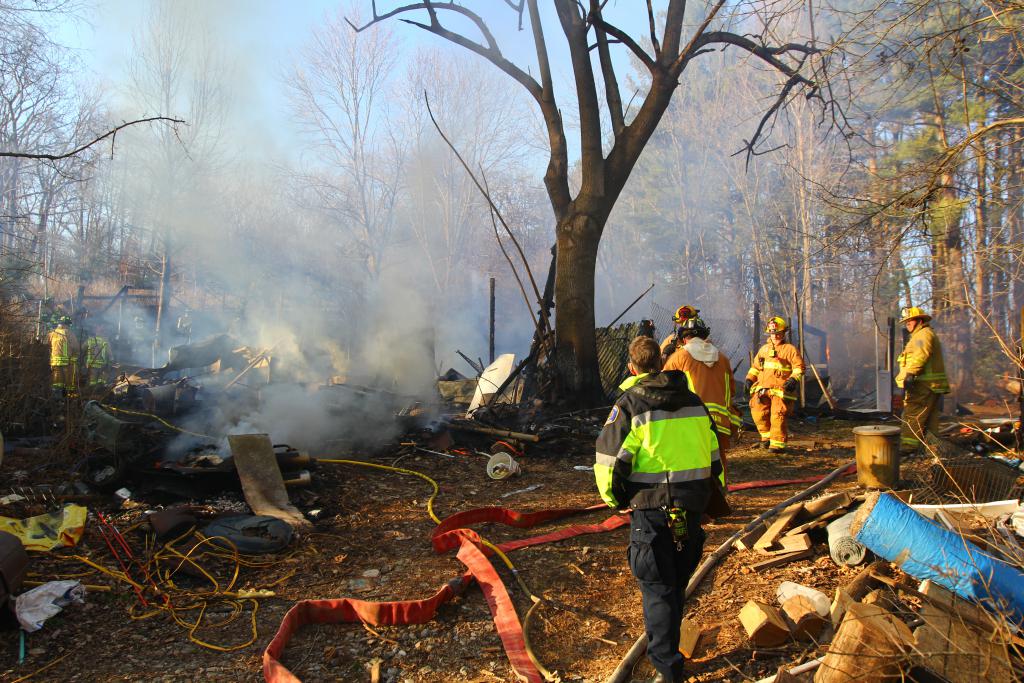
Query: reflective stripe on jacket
(922,359)
(714,385)
(97,352)
(773,365)
(658,447)
(63,347)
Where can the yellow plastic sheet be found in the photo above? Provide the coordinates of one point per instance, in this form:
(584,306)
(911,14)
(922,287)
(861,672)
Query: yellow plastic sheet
(46,532)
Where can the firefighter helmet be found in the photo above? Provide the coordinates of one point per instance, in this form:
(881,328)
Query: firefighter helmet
(776,325)
(694,327)
(684,313)
(64,320)
(913,313)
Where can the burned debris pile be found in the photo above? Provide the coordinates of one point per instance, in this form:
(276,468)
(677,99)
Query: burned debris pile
(170,503)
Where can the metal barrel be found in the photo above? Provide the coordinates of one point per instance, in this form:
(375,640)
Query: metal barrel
(877,451)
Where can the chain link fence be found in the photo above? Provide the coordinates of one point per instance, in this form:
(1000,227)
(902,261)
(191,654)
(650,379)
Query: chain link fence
(731,336)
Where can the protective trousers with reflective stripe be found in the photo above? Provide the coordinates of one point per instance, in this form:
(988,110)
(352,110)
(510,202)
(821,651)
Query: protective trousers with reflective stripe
(769,412)
(662,571)
(921,408)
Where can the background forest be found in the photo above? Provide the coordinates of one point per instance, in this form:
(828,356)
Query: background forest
(366,233)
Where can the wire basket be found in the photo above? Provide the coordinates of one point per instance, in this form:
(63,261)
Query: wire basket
(976,479)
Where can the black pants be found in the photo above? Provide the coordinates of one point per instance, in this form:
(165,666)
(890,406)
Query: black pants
(662,571)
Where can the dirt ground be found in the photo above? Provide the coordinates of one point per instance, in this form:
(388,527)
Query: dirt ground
(371,541)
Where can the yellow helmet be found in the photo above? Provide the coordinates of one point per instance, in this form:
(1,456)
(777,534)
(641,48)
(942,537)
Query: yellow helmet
(913,312)
(684,313)
(776,325)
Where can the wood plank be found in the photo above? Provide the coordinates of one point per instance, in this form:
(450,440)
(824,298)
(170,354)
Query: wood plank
(781,523)
(746,541)
(780,560)
(790,544)
(819,506)
(821,521)
(764,624)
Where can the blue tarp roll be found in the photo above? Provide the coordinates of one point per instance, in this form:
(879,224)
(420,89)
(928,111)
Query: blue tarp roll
(925,550)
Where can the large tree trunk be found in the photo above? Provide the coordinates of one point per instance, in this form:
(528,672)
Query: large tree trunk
(578,236)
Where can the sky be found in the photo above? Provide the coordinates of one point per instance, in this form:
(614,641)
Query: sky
(261,38)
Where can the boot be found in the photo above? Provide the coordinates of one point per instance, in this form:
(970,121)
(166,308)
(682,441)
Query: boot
(662,678)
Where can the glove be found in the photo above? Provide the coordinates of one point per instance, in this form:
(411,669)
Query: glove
(907,381)
(748,386)
(790,385)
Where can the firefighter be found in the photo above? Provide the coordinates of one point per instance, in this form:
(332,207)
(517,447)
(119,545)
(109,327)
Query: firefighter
(669,343)
(658,455)
(63,356)
(709,373)
(922,377)
(97,357)
(772,383)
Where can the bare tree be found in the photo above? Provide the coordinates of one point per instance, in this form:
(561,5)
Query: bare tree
(606,161)
(338,95)
(175,68)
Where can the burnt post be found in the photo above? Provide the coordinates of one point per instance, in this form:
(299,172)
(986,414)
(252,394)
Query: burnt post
(757,330)
(490,344)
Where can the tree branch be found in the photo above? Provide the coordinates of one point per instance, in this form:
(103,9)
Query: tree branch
(490,51)
(625,39)
(112,134)
(611,83)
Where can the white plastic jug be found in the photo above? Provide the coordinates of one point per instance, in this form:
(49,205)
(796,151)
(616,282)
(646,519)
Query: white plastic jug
(788,589)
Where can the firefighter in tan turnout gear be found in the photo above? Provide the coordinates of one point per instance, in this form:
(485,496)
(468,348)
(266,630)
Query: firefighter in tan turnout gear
(922,377)
(64,356)
(670,343)
(709,374)
(772,384)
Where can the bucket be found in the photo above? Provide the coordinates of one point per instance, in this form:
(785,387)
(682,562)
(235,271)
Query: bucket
(502,465)
(877,449)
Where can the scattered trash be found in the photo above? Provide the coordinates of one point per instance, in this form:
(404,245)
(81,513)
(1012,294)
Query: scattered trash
(788,589)
(261,478)
(526,490)
(11,498)
(42,602)
(842,547)
(251,534)
(123,494)
(583,468)
(46,532)
(502,466)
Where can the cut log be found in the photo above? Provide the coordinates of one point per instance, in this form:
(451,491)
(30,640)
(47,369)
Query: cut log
(781,523)
(689,636)
(805,622)
(819,506)
(840,604)
(780,560)
(960,653)
(764,624)
(871,646)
